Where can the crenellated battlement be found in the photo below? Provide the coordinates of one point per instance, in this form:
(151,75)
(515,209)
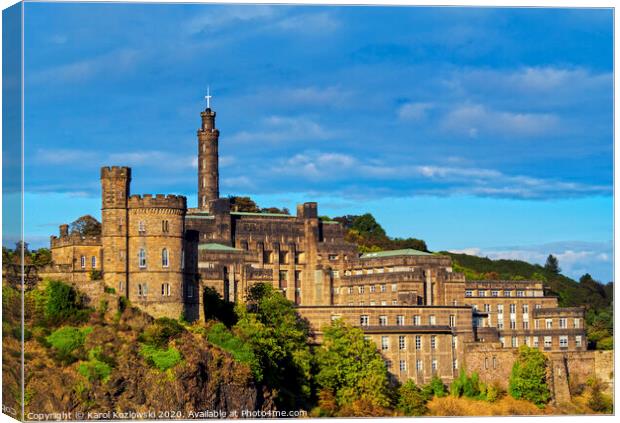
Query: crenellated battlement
(74,240)
(158,201)
(115,172)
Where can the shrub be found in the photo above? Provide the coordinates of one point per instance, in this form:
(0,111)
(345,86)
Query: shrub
(411,400)
(163,359)
(598,401)
(109,290)
(61,301)
(528,379)
(435,388)
(242,352)
(95,370)
(67,339)
(159,333)
(96,275)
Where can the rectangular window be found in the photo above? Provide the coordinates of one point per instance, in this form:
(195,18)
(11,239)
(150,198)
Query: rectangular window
(486,362)
(578,341)
(487,308)
(364,320)
(563,341)
(83,262)
(537,324)
(468,293)
(164,226)
(548,342)
(165,289)
(403,366)
(418,365)
(494,293)
(452,320)
(360,289)
(431,320)
(400,320)
(535,341)
(520,294)
(142,258)
(385,343)
(383,320)
(577,323)
(502,341)
(549,323)
(434,364)
(513,324)
(416,320)
(141,227)
(383,288)
(402,343)
(481,293)
(350,290)
(93,262)
(455,364)
(433,342)
(526,324)
(394,287)
(506,293)
(563,323)
(513,308)
(454,341)
(373,288)
(500,308)
(513,342)
(525,308)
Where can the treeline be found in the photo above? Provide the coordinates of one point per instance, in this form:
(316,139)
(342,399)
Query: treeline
(369,235)
(246,204)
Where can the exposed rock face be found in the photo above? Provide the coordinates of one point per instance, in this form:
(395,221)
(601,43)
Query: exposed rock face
(207,378)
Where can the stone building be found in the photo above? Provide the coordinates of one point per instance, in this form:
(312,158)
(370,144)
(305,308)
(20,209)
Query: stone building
(426,319)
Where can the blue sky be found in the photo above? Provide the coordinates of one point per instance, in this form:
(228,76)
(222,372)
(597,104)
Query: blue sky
(477,129)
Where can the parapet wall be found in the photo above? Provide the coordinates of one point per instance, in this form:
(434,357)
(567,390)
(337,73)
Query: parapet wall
(115,172)
(74,240)
(161,201)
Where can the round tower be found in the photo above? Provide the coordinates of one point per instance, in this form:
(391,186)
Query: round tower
(208,169)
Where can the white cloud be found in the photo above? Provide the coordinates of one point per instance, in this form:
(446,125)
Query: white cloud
(277,129)
(317,24)
(472,119)
(113,63)
(575,257)
(414,111)
(221,17)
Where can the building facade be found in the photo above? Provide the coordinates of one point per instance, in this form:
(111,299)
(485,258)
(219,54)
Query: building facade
(425,318)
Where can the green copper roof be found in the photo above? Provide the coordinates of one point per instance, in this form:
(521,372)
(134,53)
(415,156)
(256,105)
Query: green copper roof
(217,247)
(261,214)
(392,253)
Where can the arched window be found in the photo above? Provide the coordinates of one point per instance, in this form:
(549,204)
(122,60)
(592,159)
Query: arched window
(142,258)
(164,257)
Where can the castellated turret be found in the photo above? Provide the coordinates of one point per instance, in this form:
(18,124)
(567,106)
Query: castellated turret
(143,244)
(208,156)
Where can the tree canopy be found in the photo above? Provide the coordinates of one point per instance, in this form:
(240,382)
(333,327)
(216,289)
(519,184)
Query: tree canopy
(351,370)
(552,264)
(85,226)
(528,379)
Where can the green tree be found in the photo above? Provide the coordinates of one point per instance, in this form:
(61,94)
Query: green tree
(243,204)
(351,368)
(528,379)
(552,265)
(279,338)
(85,226)
(42,257)
(412,400)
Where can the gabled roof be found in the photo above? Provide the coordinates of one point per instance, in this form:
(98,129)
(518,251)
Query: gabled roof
(217,247)
(392,253)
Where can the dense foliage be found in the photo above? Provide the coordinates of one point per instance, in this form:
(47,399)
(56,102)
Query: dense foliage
(471,387)
(85,226)
(528,379)
(369,235)
(161,358)
(279,337)
(246,204)
(241,350)
(66,340)
(351,369)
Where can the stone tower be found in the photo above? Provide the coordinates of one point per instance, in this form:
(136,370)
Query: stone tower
(115,182)
(208,169)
